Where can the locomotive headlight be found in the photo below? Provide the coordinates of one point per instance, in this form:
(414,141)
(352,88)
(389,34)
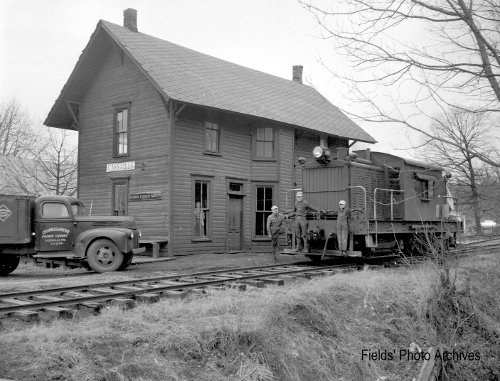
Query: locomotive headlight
(317,152)
(321,154)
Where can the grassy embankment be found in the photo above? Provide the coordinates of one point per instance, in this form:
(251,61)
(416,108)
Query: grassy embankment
(315,330)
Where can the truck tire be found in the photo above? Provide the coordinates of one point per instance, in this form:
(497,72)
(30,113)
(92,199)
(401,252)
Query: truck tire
(8,263)
(104,256)
(127,261)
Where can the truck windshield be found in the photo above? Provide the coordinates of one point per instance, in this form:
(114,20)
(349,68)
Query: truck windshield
(78,209)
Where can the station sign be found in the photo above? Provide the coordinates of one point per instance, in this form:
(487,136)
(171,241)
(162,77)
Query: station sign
(145,196)
(117,167)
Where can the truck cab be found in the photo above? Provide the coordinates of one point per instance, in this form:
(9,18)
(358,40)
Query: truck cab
(59,228)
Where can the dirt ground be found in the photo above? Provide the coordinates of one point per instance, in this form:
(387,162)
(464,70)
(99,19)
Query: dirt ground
(30,277)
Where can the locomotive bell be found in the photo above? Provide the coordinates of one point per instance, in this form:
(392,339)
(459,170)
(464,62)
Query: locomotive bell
(321,154)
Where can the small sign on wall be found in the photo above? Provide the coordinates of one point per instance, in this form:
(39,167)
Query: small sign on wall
(116,167)
(145,196)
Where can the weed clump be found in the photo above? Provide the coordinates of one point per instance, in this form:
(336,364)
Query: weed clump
(466,321)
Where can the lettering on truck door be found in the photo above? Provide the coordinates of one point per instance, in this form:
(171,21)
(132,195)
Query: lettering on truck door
(54,228)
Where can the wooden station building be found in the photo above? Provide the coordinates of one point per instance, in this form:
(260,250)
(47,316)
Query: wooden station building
(196,148)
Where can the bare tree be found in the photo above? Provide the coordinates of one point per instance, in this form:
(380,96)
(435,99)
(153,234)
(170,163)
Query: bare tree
(17,135)
(469,133)
(33,162)
(58,160)
(415,56)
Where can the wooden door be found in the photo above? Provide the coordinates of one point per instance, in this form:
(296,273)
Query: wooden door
(235,223)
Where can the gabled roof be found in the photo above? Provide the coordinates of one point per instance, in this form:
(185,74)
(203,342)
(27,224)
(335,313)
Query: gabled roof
(195,78)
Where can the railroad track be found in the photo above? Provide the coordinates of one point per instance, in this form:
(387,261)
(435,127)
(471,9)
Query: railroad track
(66,301)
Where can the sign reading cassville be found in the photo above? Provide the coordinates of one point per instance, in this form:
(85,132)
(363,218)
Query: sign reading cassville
(125,166)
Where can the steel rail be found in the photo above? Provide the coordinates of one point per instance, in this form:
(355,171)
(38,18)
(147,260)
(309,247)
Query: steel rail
(151,279)
(232,276)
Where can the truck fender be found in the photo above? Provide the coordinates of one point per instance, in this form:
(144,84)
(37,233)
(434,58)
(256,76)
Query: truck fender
(84,239)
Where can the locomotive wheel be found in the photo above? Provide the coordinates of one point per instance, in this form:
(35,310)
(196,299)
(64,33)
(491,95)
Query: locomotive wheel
(127,261)
(8,263)
(103,256)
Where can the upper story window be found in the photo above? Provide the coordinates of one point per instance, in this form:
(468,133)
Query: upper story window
(212,135)
(121,130)
(264,143)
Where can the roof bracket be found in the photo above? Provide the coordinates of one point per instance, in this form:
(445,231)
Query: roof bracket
(178,109)
(353,142)
(74,109)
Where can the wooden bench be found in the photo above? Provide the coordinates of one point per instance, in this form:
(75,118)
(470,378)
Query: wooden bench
(155,243)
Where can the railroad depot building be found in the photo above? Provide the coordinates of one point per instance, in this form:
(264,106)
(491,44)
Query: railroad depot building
(196,148)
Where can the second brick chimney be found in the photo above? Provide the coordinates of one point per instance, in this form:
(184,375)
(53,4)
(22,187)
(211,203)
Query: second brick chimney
(130,19)
(297,73)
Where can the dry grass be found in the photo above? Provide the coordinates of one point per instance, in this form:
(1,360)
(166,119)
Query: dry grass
(314,330)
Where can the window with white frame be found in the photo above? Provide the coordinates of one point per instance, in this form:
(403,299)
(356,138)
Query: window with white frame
(263,204)
(121,130)
(201,207)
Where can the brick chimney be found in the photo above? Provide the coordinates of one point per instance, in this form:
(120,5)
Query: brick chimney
(297,73)
(130,19)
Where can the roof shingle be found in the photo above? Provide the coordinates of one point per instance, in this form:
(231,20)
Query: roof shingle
(192,77)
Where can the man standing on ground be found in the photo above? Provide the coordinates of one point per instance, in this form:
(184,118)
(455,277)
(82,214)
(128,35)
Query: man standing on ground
(274,229)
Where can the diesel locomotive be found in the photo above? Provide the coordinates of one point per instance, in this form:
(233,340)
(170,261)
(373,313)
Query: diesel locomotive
(396,205)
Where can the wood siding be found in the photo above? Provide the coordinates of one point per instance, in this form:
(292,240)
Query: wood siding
(119,81)
(116,82)
(234,162)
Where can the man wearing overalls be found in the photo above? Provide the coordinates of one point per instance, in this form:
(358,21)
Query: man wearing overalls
(275,227)
(343,226)
(300,212)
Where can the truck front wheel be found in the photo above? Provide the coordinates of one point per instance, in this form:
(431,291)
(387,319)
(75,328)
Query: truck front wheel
(103,256)
(8,263)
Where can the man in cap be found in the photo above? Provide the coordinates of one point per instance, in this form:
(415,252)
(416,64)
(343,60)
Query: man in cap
(300,213)
(275,227)
(343,226)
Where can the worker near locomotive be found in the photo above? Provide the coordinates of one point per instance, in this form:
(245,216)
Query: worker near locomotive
(300,211)
(397,205)
(274,226)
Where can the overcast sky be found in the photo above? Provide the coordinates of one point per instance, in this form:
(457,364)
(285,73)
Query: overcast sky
(41,41)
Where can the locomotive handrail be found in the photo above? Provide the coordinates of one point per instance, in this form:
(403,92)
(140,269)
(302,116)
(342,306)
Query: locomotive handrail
(286,211)
(366,211)
(392,204)
(375,207)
